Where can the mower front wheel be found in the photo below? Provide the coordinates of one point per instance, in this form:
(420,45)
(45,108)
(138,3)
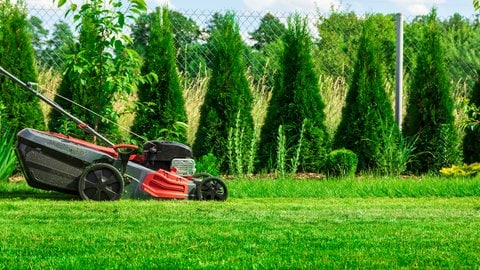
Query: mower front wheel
(212,188)
(100,182)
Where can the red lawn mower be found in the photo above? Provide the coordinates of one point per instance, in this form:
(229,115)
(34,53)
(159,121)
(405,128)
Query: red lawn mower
(164,170)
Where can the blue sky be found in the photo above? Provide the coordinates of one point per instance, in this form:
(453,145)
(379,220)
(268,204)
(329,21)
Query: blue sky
(409,8)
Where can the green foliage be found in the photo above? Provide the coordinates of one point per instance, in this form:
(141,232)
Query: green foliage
(161,104)
(228,98)
(208,164)
(22,108)
(189,51)
(397,152)
(341,163)
(338,46)
(461,38)
(281,152)
(103,66)
(368,127)
(429,116)
(269,30)
(8,160)
(295,105)
(462,170)
(240,158)
(471,140)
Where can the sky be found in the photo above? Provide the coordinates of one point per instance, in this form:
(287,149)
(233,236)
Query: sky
(408,8)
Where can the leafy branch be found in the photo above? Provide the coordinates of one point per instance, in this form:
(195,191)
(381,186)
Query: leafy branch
(104,64)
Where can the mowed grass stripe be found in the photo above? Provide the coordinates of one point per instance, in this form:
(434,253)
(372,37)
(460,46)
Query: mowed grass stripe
(242,233)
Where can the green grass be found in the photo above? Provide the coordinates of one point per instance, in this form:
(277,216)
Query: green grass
(265,224)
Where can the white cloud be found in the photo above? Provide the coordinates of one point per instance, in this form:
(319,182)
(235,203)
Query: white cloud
(47,4)
(418,7)
(152,4)
(291,5)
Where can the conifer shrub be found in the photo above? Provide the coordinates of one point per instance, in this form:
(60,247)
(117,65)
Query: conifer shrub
(368,127)
(160,103)
(22,108)
(341,163)
(297,106)
(226,112)
(429,117)
(471,140)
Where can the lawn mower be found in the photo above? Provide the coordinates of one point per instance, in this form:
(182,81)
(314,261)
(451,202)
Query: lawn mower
(163,170)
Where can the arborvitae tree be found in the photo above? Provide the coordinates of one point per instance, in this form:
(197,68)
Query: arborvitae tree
(471,140)
(187,40)
(429,118)
(17,56)
(225,116)
(58,122)
(161,104)
(296,105)
(368,126)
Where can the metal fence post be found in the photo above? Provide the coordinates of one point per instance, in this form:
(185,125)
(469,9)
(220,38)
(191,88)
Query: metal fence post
(399,72)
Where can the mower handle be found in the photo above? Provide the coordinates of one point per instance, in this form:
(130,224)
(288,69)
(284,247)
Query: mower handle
(124,148)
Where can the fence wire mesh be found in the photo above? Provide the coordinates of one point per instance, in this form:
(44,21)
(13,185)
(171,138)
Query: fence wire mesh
(334,37)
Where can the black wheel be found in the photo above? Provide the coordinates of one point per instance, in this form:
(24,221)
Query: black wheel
(212,188)
(100,182)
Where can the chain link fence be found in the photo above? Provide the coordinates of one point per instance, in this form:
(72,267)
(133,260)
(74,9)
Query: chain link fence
(334,35)
(335,39)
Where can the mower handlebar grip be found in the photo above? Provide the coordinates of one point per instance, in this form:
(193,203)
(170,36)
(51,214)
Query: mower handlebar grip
(130,148)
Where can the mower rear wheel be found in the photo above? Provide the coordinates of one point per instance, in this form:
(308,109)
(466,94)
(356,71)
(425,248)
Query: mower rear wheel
(100,182)
(212,188)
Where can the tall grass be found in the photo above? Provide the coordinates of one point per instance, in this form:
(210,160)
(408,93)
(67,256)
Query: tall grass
(334,92)
(8,160)
(48,80)
(194,90)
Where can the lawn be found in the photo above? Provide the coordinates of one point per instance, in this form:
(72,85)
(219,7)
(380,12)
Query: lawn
(265,224)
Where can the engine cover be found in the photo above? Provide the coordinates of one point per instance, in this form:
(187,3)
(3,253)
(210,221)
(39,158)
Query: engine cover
(159,154)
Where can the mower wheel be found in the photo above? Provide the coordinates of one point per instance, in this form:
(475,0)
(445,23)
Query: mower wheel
(100,182)
(199,177)
(212,188)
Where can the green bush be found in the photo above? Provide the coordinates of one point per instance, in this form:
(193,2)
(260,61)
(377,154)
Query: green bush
(341,163)
(208,164)
(463,170)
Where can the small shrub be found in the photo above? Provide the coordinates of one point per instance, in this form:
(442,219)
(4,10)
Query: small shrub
(463,170)
(340,163)
(208,164)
